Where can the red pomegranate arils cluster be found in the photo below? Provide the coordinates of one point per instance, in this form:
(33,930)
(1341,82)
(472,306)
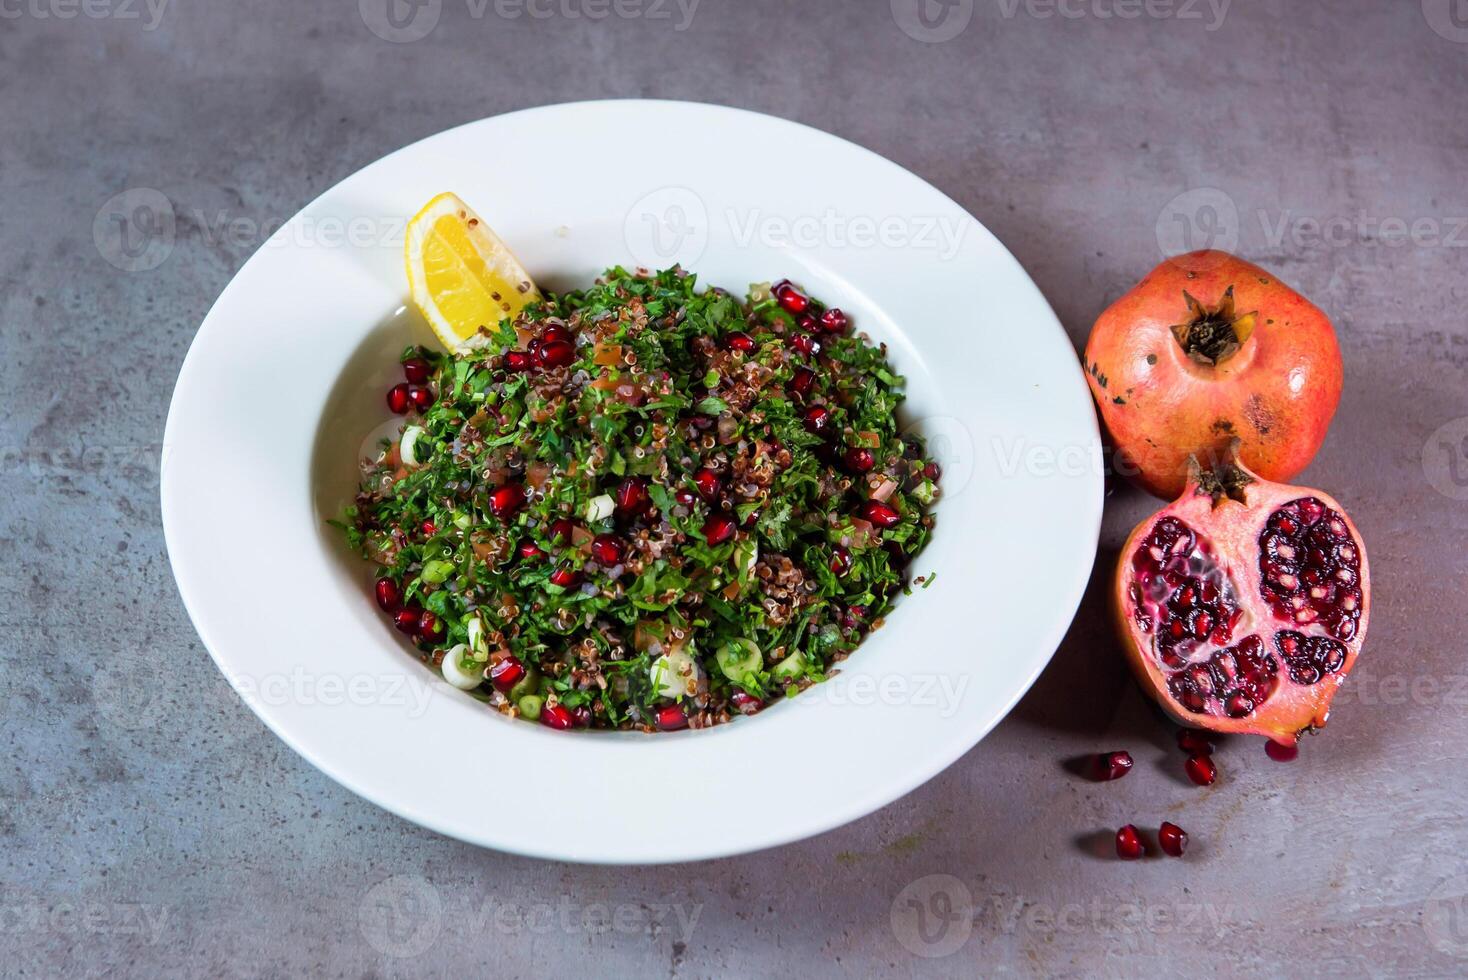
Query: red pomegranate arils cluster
(1110,766)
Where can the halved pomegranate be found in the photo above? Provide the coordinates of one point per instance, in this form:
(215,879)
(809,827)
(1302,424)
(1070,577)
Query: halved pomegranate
(1243,605)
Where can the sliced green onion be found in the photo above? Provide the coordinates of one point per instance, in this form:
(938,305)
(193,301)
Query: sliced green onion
(530,706)
(408,448)
(739,658)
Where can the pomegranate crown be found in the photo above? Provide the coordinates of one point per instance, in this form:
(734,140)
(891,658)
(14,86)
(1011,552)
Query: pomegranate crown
(1212,336)
(1227,479)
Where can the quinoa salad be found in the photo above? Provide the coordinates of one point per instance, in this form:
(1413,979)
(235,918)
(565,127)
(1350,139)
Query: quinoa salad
(645,505)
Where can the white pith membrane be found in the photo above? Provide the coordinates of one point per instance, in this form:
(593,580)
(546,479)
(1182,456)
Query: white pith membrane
(1277,629)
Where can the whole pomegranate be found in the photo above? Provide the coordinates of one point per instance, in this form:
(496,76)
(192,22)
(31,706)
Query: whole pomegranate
(1207,349)
(1244,604)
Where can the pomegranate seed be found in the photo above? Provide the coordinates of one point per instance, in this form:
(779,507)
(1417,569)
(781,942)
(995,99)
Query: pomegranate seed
(807,321)
(859,460)
(747,704)
(840,561)
(429,626)
(1111,765)
(607,549)
(833,321)
(556,353)
(422,397)
(932,471)
(1201,770)
(506,500)
(565,576)
(389,597)
(556,716)
(1129,844)
(671,718)
(533,349)
(398,399)
(518,360)
(405,620)
(429,529)
(879,514)
(555,334)
(707,482)
(1174,839)
(561,529)
(718,529)
(632,495)
(1280,752)
(685,497)
(507,673)
(1194,742)
(806,344)
(530,551)
(581,716)
(416,370)
(817,419)
(802,381)
(741,341)
(791,300)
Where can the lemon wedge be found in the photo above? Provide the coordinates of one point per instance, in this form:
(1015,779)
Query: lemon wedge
(463,279)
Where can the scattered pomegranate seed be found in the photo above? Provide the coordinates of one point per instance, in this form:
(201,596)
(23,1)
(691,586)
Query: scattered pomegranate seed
(421,397)
(530,551)
(1201,770)
(507,673)
(806,344)
(1280,752)
(1111,765)
(879,514)
(554,334)
(840,561)
(560,530)
(389,596)
(607,549)
(684,497)
(405,620)
(565,576)
(747,703)
(833,321)
(533,349)
(817,418)
(1174,839)
(429,626)
(718,529)
(671,718)
(1129,844)
(802,381)
(859,460)
(932,471)
(740,341)
(556,353)
(519,360)
(1194,742)
(429,529)
(556,716)
(581,716)
(416,370)
(632,495)
(707,482)
(791,300)
(506,500)
(398,400)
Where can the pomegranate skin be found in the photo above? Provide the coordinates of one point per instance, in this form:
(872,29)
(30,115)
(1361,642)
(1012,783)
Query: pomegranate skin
(1234,530)
(1276,394)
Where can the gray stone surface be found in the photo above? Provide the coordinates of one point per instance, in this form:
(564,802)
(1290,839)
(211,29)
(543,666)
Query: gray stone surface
(161,830)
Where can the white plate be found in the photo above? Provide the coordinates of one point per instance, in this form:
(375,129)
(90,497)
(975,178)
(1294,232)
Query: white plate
(287,375)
